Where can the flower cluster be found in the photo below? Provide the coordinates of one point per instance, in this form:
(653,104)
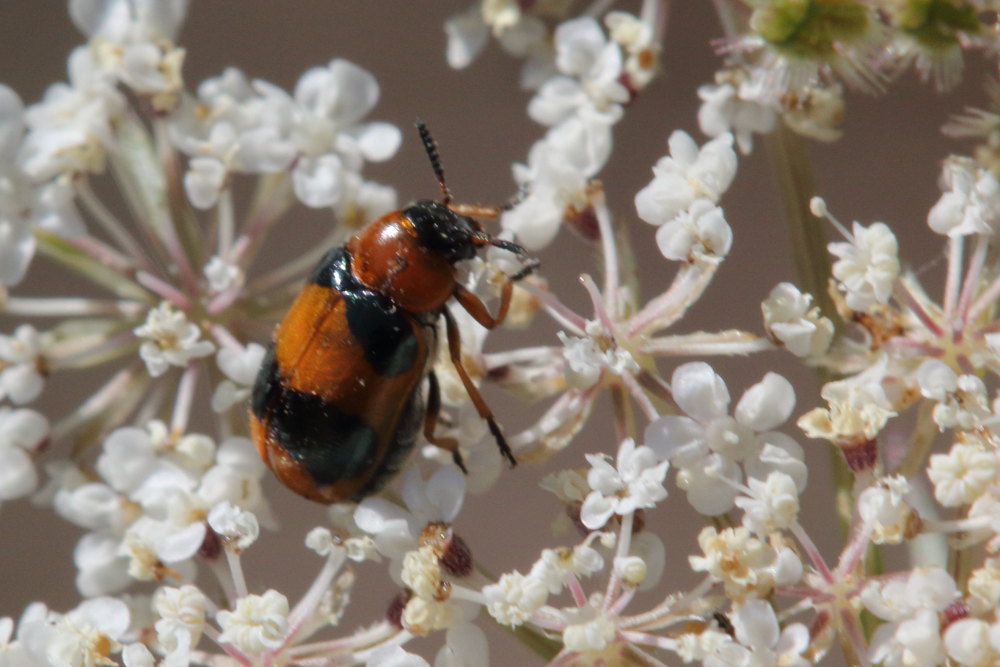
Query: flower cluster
(155,467)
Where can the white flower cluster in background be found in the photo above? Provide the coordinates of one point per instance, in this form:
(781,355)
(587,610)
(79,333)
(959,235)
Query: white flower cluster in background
(909,399)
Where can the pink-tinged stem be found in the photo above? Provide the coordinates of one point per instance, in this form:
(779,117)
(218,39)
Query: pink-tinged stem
(688,285)
(636,637)
(639,396)
(903,292)
(104,254)
(813,552)
(164,290)
(621,551)
(377,634)
(224,338)
(986,300)
(321,584)
(956,245)
(852,630)
(596,300)
(555,308)
(970,283)
(185,398)
(623,600)
(70,307)
(727,343)
(610,250)
(111,224)
(576,589)
(236,571)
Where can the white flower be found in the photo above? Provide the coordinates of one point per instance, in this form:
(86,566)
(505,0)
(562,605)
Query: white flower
(173,341)
(858,406)
(555,565)
(395,530)
(962,400)
(126,20)
(913,642)
(258,623)
(17,247)
(587,629)
(700,232)
(394,656)
(569,486)
(465,646)
(240,366)
(736,104)
(635,482)
(756,628)
(319,181)
(169,497)
(972,641)
(182,616)
(87,635)
(984,583)
(134,41)
(746,565)
(100,568)
(687,175)
(637,36)
(513,599)
(961,475)
(559,168)
(204,181)
(222,275)
(970,203)
(707,444)
(423,616)
(237,528)
(868,265)
(800,328)
(137,655)
(329,105)
(21,356)
(883,505)
(592,69)
(586,361)
(22,433)
(422,573)
(467,34)
(243,127)
(773,503)
(900,598)
(632,570)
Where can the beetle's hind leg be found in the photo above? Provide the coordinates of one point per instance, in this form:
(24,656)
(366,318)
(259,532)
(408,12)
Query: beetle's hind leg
(431,419)
(455,352)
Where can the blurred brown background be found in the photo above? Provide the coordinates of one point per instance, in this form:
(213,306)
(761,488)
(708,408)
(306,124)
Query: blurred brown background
(884,169)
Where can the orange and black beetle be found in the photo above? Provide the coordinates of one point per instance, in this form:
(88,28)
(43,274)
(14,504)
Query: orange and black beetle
(337,403)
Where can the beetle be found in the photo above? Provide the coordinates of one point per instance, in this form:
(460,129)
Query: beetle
(338,401)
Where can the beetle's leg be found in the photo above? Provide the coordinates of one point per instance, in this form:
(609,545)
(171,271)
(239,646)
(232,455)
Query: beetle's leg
(478,309)
(430,421)
(476,210)
(455,352)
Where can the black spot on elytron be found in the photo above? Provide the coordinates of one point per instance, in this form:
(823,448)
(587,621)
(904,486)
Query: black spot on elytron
(334,271)
(267,387)
(442,230)
(383,331)
(406,434)
(331,445)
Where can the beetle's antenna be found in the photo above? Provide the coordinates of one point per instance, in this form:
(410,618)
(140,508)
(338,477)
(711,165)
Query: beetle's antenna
(432,154)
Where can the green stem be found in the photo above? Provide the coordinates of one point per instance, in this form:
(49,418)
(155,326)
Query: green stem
(793,172)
